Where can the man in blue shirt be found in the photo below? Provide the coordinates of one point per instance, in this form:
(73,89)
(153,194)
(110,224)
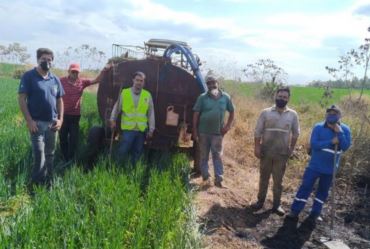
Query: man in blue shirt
(327,138)
(40,101)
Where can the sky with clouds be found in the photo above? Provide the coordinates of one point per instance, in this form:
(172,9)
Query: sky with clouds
(300,36)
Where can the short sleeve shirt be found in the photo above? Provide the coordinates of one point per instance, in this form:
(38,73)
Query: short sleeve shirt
(42,94)
(73,95)
(212,112)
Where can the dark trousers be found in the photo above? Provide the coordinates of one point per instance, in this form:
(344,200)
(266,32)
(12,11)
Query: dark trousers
(272,165)
(309,178)
(68,136)
(131,145)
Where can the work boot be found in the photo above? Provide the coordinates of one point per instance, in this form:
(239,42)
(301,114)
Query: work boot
(315,217)
(218,183)
(278,210)
(310,222)
(257,205)
(206,183)
(292,216)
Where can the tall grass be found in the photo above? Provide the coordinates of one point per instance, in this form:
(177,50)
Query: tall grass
(106,208)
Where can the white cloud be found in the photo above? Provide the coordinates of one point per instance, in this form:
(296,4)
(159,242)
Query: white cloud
(296,40)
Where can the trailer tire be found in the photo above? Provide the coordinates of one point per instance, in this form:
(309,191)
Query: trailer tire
(95,144)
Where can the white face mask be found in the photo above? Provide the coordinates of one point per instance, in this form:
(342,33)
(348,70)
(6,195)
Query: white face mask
(214,92)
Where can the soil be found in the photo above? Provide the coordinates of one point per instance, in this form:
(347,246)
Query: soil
(227,221)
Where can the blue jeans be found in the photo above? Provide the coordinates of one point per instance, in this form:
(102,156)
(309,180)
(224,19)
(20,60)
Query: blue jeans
(309,178)
(132,144)
(43,147)
(211,143)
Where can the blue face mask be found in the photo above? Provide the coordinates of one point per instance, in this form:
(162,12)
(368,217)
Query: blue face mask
(332,118)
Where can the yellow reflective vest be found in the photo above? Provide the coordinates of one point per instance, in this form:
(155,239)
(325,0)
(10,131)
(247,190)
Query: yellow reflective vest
(134,118)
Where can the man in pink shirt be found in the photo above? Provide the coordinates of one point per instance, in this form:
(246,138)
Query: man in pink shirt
(73,87)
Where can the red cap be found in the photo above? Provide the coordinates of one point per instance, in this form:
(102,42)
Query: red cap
(74,67)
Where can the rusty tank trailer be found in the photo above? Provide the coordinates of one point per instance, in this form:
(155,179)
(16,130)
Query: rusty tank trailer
(174,80)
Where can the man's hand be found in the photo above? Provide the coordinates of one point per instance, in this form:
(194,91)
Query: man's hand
(32,126)
(57,125)
(225,129)
(257,151)
(112,124)
(290,152)
(149,135)
(335,140)
(337,128)
(107,66)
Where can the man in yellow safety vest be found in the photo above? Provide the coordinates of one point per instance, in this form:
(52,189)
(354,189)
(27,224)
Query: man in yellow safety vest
(138,120)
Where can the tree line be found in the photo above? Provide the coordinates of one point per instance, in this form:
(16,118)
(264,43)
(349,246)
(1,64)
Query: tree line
(354,83)
(89,57)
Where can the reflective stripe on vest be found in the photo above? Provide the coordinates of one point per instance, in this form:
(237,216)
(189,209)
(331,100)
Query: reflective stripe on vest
(134,118)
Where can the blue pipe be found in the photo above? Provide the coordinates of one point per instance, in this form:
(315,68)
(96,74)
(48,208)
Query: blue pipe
(174,48)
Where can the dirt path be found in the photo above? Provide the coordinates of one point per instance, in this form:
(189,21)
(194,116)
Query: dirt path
(228,222)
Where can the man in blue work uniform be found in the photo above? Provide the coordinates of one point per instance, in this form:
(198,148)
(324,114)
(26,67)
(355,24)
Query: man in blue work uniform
(327,138)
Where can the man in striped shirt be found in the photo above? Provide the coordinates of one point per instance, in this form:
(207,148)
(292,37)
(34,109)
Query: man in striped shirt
(73,87)
(275,136)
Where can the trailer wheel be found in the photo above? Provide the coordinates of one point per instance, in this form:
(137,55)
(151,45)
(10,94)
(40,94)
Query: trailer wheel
(95,144)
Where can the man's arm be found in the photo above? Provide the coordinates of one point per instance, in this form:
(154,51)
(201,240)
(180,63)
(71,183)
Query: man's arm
(258,132)
(151,118)
(97,79)
(31,124)
(115,112)
(60,108)
(230,121)
(316,141)
(195,126)
(343,136)
(293,142)
(257,147)
(100,76)
(295,134)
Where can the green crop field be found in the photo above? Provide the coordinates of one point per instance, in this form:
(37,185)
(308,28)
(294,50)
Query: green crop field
(109,207)
(300,95)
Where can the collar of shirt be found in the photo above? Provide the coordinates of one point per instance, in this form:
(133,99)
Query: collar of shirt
(46,77)
(286,109)
(77,81)
(133,91)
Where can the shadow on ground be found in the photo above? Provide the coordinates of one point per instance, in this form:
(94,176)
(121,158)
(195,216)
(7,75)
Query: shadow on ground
(265,227)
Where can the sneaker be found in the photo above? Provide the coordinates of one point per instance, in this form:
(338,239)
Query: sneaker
(257,205)
(278,210)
